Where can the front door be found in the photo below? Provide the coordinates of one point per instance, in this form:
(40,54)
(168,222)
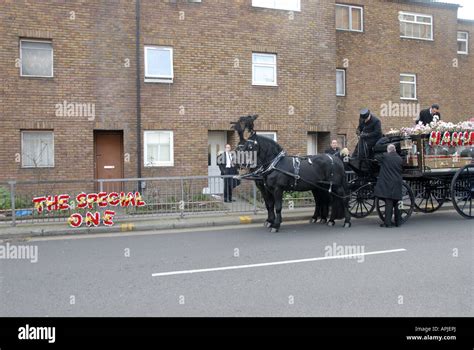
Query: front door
(109,158)
(217,141)
(312,144)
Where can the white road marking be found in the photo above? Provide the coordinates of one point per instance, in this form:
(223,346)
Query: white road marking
(285,262)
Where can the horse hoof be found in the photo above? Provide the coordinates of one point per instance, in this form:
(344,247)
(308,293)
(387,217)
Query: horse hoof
(323,221)
(331,223)
(273,230)
(347,225)
(313,221)
(267,224)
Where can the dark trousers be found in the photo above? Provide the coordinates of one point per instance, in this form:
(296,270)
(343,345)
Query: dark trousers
(390,205)
(364,149)
(228,184)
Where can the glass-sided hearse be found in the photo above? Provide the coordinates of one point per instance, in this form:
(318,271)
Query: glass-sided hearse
(438,167)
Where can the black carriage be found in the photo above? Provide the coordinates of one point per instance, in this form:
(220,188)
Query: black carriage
(433,175)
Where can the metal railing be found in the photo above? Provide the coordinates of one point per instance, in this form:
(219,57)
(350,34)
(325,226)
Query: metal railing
(164,196)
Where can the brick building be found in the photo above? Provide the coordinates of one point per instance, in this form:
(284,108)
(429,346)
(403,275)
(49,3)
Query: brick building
(69,106)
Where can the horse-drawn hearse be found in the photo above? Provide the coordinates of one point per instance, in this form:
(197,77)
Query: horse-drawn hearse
(438,167)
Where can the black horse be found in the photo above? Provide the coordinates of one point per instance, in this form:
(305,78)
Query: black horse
(275,173)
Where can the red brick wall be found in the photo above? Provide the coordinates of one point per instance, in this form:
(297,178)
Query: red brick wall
(93,49)
(378,56)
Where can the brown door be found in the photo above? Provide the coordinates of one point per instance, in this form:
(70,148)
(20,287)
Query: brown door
(109,158)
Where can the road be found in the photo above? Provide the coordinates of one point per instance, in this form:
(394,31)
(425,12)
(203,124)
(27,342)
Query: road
(422,269)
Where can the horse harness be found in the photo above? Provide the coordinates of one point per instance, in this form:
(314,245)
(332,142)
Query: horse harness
(260,173)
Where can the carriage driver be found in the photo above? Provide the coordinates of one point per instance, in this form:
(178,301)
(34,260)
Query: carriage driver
(370,131)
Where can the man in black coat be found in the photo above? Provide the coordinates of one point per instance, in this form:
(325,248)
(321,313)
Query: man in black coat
(427,115)
(334,149)
(390,184)
(227,166)
(370,131)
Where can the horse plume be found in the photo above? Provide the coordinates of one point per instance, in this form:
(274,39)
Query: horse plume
(244,123)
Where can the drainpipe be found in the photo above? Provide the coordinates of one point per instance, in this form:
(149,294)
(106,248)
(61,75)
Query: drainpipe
(139,108)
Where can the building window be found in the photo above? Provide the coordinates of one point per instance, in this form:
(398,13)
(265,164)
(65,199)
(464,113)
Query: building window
(36,58)
(289,5)
(342,140)
(340,82)
(264,69)
(158,148)
(416,26)
(408,86)
(272,135)
(349,18)
(158,64)
(37,149)
(463,39)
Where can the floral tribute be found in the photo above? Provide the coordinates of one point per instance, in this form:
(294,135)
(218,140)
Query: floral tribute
(441,133)
(89,201)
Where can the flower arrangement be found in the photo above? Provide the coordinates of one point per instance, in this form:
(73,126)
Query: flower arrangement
(440,132)
(435,125)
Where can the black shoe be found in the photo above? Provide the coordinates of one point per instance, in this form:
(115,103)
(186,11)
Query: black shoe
(383,225)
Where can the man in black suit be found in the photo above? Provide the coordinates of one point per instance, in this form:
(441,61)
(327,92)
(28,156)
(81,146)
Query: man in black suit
(370,131)
(227,166)
(428,115)
(334,149)
(389,185)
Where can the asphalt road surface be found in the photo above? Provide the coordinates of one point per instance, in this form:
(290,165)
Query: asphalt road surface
(424,268)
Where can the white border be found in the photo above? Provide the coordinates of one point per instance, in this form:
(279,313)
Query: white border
(22,147)
(273,65)
(350,18)
(414,22)
(407,82)
(344,75)
(145,152)
(158,78)
(52,58)
(465,40)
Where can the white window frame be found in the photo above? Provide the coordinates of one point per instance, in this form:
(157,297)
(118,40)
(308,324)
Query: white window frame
(158,163)
(412,83)
(158,78)
(350,18)
(344,76)
(265,65)
(258,3)
(268,133)
(464,40)
(21,58)
(400,13)
(23,132)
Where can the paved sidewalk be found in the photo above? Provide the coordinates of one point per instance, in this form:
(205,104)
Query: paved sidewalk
(147,224)
(160,223)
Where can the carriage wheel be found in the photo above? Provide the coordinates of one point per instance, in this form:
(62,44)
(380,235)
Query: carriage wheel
(406,205)
(362,201)
(462,191)
(429,195)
